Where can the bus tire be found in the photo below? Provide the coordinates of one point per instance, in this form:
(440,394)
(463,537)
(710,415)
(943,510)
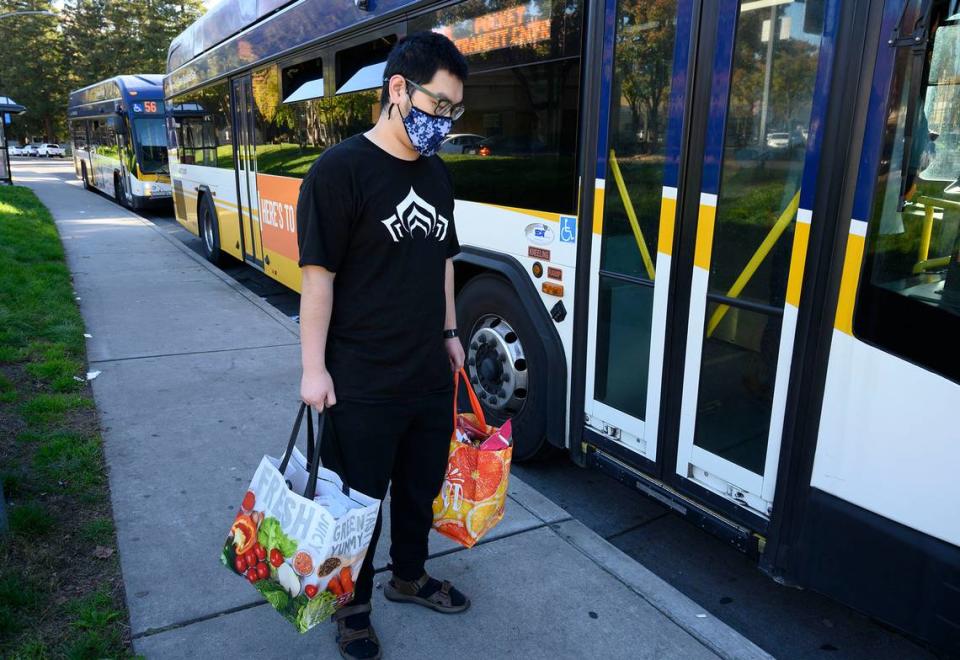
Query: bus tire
(506,362)
(119,194)
(83,176)
(209,230)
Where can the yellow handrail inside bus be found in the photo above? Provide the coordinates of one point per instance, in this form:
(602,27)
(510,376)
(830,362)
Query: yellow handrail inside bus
(631,215)
(748,271)
(924,262)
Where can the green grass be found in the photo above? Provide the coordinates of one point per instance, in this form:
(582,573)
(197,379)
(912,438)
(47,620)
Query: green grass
(47,409)
(98,532)
(50,457)
(71,460)
(30,520)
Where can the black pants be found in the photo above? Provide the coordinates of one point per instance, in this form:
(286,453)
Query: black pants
(401,444)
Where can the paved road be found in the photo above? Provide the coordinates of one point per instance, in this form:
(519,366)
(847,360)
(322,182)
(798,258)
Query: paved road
(786,622)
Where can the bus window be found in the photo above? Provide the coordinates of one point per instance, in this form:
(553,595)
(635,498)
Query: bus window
(302,81)
(151,140)
(909,298)
(202,121)
(356,65)
(294,130)
(521,99)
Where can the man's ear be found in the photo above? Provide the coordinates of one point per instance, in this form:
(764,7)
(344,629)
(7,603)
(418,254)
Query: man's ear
(397,87)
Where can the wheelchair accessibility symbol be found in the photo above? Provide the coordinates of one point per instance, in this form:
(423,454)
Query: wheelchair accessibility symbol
(568,229)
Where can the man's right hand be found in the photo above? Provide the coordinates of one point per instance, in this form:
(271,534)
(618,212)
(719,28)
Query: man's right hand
(316,389)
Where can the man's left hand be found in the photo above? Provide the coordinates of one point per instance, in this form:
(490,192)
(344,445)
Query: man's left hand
(455,354)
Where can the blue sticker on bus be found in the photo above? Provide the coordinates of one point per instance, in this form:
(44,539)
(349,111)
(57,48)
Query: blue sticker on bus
(568,229)
(137,107)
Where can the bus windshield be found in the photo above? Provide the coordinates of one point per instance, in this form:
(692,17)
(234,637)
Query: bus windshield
(151,144)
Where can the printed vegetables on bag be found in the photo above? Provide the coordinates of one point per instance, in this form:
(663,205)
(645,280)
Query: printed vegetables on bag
(272,537)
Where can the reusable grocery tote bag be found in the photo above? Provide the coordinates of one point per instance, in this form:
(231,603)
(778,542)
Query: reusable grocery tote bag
(301,534)
(474,491)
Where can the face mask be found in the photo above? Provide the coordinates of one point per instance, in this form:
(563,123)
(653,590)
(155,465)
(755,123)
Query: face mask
(425,131)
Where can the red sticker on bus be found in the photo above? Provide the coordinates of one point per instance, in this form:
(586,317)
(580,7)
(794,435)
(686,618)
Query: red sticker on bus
(278,214)
(554,273)
(539,253)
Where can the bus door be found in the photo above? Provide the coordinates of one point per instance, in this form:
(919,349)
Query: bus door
(726,391)
(246,157)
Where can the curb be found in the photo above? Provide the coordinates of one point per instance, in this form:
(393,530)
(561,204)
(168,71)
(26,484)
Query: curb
(686,613)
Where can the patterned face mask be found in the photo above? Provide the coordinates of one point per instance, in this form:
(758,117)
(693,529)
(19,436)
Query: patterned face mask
(425,131)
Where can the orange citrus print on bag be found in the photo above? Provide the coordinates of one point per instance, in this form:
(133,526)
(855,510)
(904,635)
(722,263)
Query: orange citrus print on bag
(474,492)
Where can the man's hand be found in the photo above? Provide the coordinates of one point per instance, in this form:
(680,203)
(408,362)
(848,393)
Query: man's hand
(455,354)
(316,389)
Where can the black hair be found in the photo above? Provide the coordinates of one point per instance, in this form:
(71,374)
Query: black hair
(418,57)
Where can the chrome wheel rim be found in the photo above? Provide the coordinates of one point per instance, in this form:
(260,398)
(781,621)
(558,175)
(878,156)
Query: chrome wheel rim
(497,365)
(208,232)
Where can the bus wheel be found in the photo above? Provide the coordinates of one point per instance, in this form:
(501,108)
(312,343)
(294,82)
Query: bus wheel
(83,176)
(210,231)
(506,361)
(119,194)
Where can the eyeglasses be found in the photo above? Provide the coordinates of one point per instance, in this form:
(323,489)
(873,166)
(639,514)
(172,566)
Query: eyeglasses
(442,106)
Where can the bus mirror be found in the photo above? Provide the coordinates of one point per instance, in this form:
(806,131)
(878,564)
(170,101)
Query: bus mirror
(117,124)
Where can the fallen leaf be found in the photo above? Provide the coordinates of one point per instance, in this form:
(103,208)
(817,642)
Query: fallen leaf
(102,552)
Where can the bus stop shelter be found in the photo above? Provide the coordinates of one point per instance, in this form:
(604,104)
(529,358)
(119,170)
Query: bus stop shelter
(7,108)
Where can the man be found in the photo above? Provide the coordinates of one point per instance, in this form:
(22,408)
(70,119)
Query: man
(377,318)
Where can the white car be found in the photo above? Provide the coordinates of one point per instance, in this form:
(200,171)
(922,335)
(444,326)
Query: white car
(30,149)
(50,150)
(15,150)
(461,143)
(778,140)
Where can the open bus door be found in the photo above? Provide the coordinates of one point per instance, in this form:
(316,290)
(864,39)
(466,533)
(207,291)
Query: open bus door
(694,291)
(246,159)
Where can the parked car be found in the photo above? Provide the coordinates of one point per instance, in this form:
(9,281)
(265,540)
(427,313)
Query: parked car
(461,143)
(778,140)
(15,150)
(31,149)
(511,145)
(50,150)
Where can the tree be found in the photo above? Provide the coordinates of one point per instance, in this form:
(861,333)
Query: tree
(644,52)
(31,68)
(43,58)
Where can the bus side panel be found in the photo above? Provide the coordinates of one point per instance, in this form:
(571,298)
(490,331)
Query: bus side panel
(277,204)
(885,421)
(517,232)
(222,184)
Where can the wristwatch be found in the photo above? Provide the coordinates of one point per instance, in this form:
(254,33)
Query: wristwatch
(450,334)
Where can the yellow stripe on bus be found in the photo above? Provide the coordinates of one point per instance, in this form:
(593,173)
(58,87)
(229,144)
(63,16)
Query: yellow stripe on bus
(668,213)
(706,220)
(543,215)
(598,210)
(801,237)
(849,283)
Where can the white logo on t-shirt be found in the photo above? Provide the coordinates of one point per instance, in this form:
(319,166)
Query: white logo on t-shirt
(415,214)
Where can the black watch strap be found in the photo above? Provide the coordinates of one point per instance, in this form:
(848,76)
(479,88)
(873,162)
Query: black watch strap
(450,334)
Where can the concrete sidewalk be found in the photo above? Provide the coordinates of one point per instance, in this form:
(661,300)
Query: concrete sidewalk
(200,379)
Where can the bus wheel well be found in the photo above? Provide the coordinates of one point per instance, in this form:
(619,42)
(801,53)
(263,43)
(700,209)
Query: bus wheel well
(473,263)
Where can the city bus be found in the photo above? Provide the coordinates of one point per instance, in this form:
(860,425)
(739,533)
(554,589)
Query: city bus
(709,248)
(119,139)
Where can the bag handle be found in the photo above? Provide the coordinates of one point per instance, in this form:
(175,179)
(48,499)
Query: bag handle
(476,409)
(313,449)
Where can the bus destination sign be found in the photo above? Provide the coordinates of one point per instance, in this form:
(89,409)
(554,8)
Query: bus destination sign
(507,28)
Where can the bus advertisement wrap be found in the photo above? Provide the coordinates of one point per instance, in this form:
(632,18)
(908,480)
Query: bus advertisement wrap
(278,214)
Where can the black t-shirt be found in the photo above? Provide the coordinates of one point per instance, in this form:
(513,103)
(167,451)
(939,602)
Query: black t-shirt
(385,227)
